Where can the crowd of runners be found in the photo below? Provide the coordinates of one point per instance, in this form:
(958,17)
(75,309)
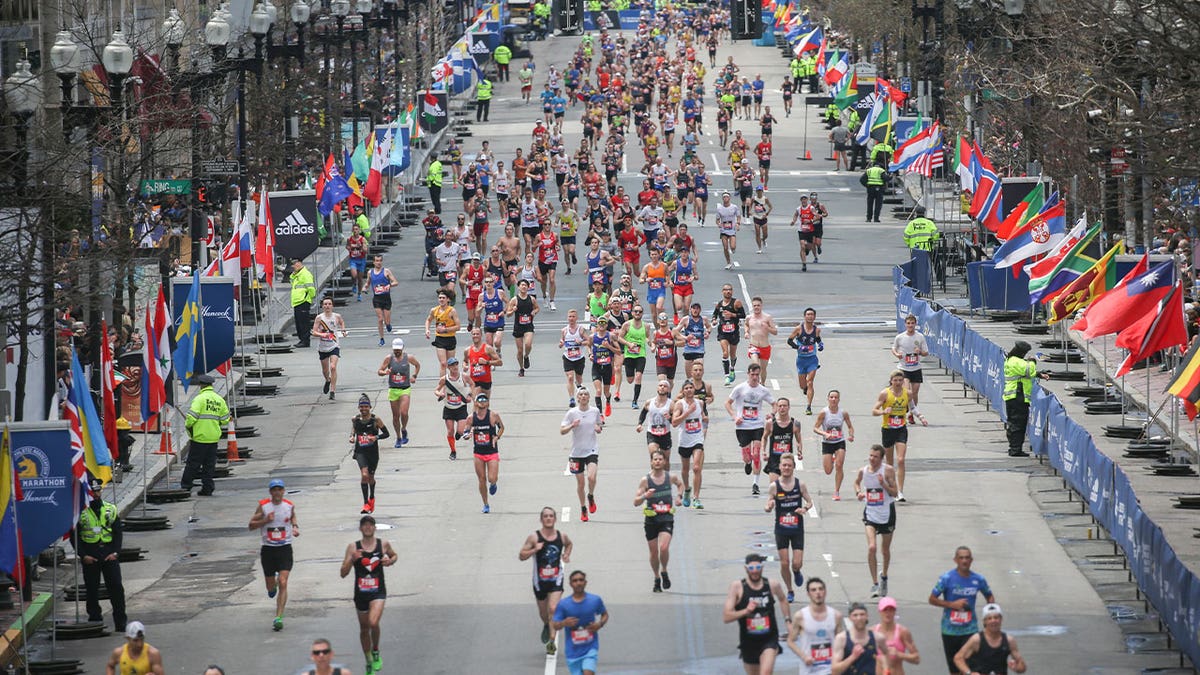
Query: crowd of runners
(633,93)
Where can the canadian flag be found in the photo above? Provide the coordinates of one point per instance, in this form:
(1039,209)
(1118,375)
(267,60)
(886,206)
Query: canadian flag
(264,251)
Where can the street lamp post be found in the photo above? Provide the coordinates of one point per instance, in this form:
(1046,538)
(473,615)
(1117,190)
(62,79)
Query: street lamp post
(23,94)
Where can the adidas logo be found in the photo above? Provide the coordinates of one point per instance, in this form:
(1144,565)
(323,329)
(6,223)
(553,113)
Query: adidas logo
(480,47)
(294,223)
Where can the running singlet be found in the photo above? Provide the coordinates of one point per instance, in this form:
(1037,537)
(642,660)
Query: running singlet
(524,312)
(547,562)
(664,349)
(572,343)
(787,502)
(366,435)
(693,336)
(816,640)
(658,507)
(656,279)
(806,343)
(399,373)
(278,529)
(602,353)
(368,571)
(493,311)
(596,271)
(379,282)
(895,410)
(832,426)
(727,219)
(658,418)
(635,339)
(483,434)
(479,364)
(728,325)
(759,625)
(683,275)
(691,432)
(456,393)
(878,500)
(441,321)
(782,437)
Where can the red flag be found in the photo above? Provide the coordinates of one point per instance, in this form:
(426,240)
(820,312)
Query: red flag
(898,97)
(320,185)
(264,251)
(108,403)
(985,205)
(157,360)
(224,367)
(1129,300)
(1161,328)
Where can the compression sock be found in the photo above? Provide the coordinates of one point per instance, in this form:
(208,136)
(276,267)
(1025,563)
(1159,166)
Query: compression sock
(450,440)
(637,392)
(372,486)
(365,491)
(725,365)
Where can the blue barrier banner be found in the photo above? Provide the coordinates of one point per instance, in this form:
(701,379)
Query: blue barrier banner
(898,279)
(1174,589)
(972,362)
(216,325)
(1056,435)
(930,321)
(41,455)
(904,302)
(990,288)
(921,277)
(992,385)
(1074,455)
(1125,505)
(951,334)
(1144,542)
(1039,414)
(1099,476)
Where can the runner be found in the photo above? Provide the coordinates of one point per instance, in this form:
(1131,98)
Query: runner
(381,281)
(356,248)
(781,436)
(806,340)
(899,647)
(859,649)
(909,347)
(744,406)
(525,308)
(365,431)
(550,549)
(762,150)
(631,240)
(694,330)
(584,423)
(727,317)
(604,349)
(788,497)
(474,276)
(834,427)
(366,558)
(654,276)
(401,371)
(444,320)
(480,358)
(572,340)
(760,326)
(135,657)
(655,492)
(547,248)
(760,209)
(632,337)
(893,406)
(690,417)
(322,658)
(486,430)
(328,328)
(493,302)
(955,592)
(568,224)
(991,650)
(446,256)
(683,274)
(751,603)
(275,518)
(806,216)
(583,614)
(819,226)
(729,221)
(813,630)
(875,486)
(658,411)
(453,390)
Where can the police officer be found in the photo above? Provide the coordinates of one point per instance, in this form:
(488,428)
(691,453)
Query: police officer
(206,415)
(502,56)
(483,98)
(98,543)
(304,290)
(921,232)
(874,179)
(1018,386)
(433,180)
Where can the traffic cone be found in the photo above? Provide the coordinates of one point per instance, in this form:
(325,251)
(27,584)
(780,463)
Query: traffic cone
(164,441)
(808,155)
(231,449)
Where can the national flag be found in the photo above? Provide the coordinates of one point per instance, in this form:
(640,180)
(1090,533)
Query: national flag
(334,188)
(918,145)
(400,157)
(836,71)
(962,164)
(187,335)
(1161,328)
(373,191)
(1185,382)
(360,161)
(431,109)
(245,238)
(108,387)
(264,246)
(1063,264)
(95,451)
(821,58)
(1040,236)
(1088,286)
(881,126)
(846,93)
(1138,293)
(878,104)
(355,198)
(81,488)
(12,558)
(894,93)
(1030,205)
(156,366)
(985,205)
(810,41)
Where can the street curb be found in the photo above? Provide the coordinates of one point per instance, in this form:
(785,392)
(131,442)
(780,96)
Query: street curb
(14,637)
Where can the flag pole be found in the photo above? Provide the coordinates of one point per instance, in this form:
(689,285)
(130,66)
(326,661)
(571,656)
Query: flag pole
(12,491)
(146,349)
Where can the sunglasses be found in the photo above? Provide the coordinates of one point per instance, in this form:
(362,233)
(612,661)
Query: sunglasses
(321,652)
(753,568)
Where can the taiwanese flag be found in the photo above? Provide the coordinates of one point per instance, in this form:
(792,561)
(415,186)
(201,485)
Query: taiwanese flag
(1159,329)
(1185,384)
(1128,302)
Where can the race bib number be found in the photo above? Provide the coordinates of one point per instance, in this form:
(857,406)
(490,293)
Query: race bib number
(635,348)
(912,359)
(478,369)
(525,319)
(398,381)
(604,358)
(661,507)
(454,400)
(658,429)
(758,625)
(665,352)
(451,276)
(368,585)
(575,466)
(728,327)
(684,278)
(895,421)
(655,283)
(548,573)
(960,617)
(780,447)
(749,412)
(597,277)
(821,654)
(580,636)
(491,317)
(693,341)
(277,534)
(692,426)
(366,439)
(874,496)
(789,520)
(834,434)
(380,289)
(806,349)
(483,437)
(572,352)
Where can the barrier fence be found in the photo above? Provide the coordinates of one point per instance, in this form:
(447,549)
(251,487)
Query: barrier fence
(1105,489)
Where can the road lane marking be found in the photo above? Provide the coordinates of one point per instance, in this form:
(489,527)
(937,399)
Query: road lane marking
(745,291)
(716,164)
(774,383)
(566,514)
(552,660)
(829,561)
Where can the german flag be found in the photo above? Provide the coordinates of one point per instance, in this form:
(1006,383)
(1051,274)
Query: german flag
(1186,382)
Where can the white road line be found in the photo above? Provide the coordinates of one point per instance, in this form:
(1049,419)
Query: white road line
(829,561)
(566,514)
(774,384)
(624,163)
(745,290)
(813,511)
(716,164)
(552,660)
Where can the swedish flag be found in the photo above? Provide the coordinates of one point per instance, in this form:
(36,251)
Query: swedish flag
(187,336)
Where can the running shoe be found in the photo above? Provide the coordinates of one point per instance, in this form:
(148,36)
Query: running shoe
(874,590)
(399,442)
(666,581)
(521,373)
(453,455)
(729,266)
(273,592)
(591,504)
(816,259)
(900,497)
(487,509)
(911,419)
(369,670)
(365,509)
(608,408)
(492,488)
(583,516)
(818,248)
(380,342)
(332,395)
(325,389)
(657,585)
(808,410)
(754,490)
(837,496)
(696,503)
(791,596)
(552,307)
(371,505)
(526,362)
(634,405)
(798,578)
(358,297)
(404,436)
(729,379)
(376,661)
(278,623)
(748,469)
(617,397)
(687,497)
(883,586)
(803,267)
(758,252)
(571,403)
(551,649)
(388,326)
(545,633)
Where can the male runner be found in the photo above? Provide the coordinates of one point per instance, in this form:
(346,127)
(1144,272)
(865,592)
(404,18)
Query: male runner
(727,317)
(760,326)
(729,221)
(604,349)
(472,279)
(523,307)
(365,431)
(480,358)
(584,423)
(453,389)
(955,592)
(990,650)
(875,486)
(486,430)
(760,209)
(571,340)
(690,417)
(859,649)
(655,492)
(806,340)
(788,497)
(550,549)
(275,518)
(443,318)
(583,614)
(654,275)
(366,558)
(381,281)
(547,255)
(632,337)
(683,274)
(751,603)
(893,406)
(493,302)
(401,371)
(834,427)
(356,248)
(805,222)
(655,420)
(781,436)
(813,630)
(328,327)
(909,347)
(745,406)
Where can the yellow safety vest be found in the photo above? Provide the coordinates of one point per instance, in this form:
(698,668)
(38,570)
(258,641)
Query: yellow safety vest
(303,287)
(921,233)
(483,90)
(875,176)
(434,178)
(97,528)
(1018,374)
(206,415)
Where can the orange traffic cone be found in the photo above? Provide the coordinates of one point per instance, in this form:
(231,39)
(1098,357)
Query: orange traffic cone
(808,155)
(164,441)
(231,449)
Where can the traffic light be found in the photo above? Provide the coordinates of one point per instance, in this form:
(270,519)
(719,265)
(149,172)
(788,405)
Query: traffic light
(746,20)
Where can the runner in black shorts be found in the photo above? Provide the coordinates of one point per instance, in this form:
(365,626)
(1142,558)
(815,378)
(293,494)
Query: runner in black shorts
(366,430)
(655,494)
(275,518)
(367,557)
(550,548)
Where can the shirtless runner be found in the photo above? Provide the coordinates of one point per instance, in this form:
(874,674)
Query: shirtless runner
(760,326)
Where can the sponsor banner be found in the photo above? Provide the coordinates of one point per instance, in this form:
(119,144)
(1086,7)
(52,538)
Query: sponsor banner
(294,214)
(216,345)
(41,455)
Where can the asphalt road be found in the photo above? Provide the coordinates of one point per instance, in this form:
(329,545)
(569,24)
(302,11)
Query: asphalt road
(459,600)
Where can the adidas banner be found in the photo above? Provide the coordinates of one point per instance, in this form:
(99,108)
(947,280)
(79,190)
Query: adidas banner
(294,216)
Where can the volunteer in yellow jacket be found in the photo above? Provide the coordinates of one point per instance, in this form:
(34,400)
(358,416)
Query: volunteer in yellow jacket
(1018,387)
(206,418)
(304,290)
(875,180)
(502,56)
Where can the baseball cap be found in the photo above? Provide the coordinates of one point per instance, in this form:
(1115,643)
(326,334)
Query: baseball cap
(475,256)
(398,343)
(754,557)
(990,609)
(481,398)
(134,630)
(887,603)
(452,361)
(275,483)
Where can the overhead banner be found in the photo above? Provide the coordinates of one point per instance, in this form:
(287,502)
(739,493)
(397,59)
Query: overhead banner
(216,319)
(294,215)
(41,455)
